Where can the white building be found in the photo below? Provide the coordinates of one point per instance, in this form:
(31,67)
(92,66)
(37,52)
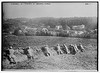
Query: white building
(45,29)
(58,27)
(79,27)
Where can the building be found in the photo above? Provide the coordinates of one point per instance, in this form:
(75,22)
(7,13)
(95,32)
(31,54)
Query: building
(58,27)
(78,27)
(44,29)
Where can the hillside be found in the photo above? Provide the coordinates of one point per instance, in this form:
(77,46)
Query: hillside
(82,61)
(89,22)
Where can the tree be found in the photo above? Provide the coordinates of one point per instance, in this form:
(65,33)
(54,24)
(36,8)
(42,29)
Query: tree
(18,32)
(63,23)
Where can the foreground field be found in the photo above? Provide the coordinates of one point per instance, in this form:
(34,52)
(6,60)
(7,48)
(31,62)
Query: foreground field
(86,60)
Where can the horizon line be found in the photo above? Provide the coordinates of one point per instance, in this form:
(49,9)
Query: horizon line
(53,17)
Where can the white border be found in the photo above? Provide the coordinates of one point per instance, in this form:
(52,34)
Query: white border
(47,0)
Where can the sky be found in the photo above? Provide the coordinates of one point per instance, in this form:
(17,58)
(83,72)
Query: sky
(35,10)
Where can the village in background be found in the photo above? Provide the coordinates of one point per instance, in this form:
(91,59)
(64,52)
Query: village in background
(80,27)
(49,43)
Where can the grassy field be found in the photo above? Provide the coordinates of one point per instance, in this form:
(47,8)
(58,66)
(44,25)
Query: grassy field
(86,60)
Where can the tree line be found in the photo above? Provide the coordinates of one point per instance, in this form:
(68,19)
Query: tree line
(14,25)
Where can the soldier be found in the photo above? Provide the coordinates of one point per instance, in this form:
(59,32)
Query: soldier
(45,50)
(9,54)
(72,49)
(59,49)
(66,49)
(12,56)
(76,49)
(80,47)
(28,52)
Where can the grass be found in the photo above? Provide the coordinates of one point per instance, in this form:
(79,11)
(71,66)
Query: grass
(42,40)
(81,61)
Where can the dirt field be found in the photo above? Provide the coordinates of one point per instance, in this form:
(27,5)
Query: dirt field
(86,60)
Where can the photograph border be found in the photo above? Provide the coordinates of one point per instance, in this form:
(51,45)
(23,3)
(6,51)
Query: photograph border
(51,2)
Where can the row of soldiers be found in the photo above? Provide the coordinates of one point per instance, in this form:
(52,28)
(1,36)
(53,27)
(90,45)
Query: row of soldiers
(28,51)
(63,49)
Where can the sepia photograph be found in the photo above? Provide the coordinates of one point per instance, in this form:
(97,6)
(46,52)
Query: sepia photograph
(49,36)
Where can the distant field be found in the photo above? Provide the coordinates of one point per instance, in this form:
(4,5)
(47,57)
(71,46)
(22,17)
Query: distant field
(81,61)
(42,40)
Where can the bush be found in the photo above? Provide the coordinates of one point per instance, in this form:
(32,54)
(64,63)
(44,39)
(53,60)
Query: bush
(18,32)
